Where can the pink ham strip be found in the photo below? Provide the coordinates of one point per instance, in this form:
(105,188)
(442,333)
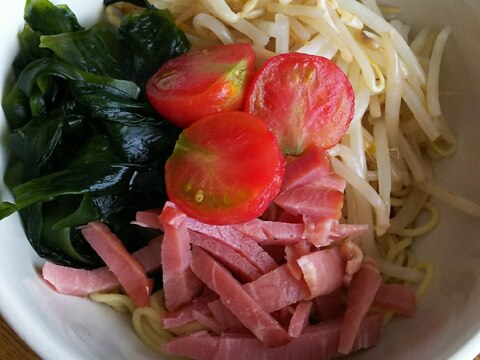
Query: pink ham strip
(148,219)
(342,231)
(126,268)
(222,315)
(323,271)
(80,282)
(226,255)
(277,289)
(207,321)
(311,200)
(271,232)
(313,166)
(236,299)
(361,293)
(332,181)
(317,342)
(184,314)
(150,256)
(299,320)
(318,230)
(199,345)
(245,246)
(180,285)
(395,297)
(293,253)
(353,256)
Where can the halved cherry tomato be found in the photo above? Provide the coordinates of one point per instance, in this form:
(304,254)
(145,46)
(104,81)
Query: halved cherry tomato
(202,82)
(225,168)
(304,99)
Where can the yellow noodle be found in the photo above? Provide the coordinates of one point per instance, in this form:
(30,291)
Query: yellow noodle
(153,336)
(427,226)
(429,271)
(119,302)
(399,247)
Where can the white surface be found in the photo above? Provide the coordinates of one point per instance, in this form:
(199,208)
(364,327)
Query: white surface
(447,322)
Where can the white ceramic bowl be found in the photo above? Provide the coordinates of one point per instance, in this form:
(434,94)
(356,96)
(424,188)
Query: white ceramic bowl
(447,322)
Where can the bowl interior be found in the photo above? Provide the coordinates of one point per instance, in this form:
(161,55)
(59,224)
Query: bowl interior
(446,324)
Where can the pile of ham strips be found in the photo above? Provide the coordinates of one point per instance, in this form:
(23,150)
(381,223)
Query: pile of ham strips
(291,285)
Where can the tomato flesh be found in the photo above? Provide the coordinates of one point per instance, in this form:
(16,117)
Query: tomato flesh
(202,82)
(226,168)
(304,99)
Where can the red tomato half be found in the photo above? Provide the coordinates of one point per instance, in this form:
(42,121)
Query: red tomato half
(202,82)
(226,168)
(304,99)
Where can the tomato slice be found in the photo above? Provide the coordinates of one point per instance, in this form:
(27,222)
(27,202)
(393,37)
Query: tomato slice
(304,99)
(202,82)
(226,168)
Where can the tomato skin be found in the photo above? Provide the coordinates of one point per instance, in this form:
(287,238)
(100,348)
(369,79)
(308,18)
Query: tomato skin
(304,99)
(202,82)
(226,168)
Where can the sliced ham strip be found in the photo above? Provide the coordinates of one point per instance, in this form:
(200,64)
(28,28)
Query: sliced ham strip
(271,232)
(150,256)
(282,233)
(299,320)
(361,293)
(277,289)
(223,316)
(242,244)
(127,269)
(397,298)
(323,271)
(207,321)
(332,181)
(148,219)
(236,299)
(180,285)
(317,342)
(343,231)
(184,314)
(81,282)
(353,256)
(311,200)
(284,316)
(199,345)
(313,166)
(227,256)
(293,253)
(369,331)
(318,230)
(253,229)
